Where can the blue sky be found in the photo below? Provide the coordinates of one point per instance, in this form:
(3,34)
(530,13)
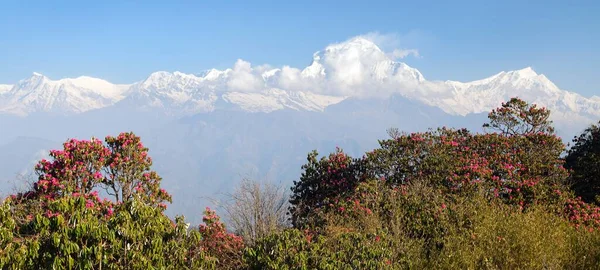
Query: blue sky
(124,41)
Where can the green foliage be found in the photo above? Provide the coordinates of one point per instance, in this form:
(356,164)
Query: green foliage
(295,249)
(583,159)
(137,236)
(502,237)
(416,226)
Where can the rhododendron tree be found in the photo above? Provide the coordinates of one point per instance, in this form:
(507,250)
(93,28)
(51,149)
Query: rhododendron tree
(323,182)
(517,117)
(521,170)
(226,247)
(121,168)
(128,174)
(64,223)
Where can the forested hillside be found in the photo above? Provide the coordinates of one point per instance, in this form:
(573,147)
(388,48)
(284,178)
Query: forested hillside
(514,197)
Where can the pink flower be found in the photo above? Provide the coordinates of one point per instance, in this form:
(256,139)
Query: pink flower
(89,204)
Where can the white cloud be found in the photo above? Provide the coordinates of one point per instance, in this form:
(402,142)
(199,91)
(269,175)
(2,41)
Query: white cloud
(359,66)
(356,67)
(243,78)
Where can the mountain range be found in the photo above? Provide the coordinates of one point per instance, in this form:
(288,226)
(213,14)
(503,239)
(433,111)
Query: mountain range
(208,130)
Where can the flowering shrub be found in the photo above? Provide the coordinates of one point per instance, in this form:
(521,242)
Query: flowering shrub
(322,183)
(582,214)
(226,247)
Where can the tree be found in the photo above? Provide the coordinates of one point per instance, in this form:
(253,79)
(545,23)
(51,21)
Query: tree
(521,170)
(121,168)
(323,182)
(226,247)
(256,209)
(583,159)
(517,117)
(62,222)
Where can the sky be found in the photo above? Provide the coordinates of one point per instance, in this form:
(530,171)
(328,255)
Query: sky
(124,41)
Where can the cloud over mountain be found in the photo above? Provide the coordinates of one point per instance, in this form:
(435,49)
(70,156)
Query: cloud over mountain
(355,68)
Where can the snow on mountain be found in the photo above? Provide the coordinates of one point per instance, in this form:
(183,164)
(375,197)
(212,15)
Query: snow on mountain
(4,88)
(479,96)
(277,99)
(39,93)
(355,68)
(482,95)
(178,93)
(175,93)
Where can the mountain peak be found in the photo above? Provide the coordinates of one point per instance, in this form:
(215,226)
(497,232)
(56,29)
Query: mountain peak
(159,74)
(527,72)
(35,80)
(213,74)
(357,43)
(363,43)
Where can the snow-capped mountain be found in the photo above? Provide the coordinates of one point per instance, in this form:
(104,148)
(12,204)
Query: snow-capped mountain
(356,68)
(210,129)
(277,99)
(482,95)
(41,94)
(174,92)
(185,94)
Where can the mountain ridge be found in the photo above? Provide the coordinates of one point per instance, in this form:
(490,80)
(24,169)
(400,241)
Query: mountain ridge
(354,68)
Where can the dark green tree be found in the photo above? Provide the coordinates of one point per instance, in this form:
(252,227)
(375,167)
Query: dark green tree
(583,159)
